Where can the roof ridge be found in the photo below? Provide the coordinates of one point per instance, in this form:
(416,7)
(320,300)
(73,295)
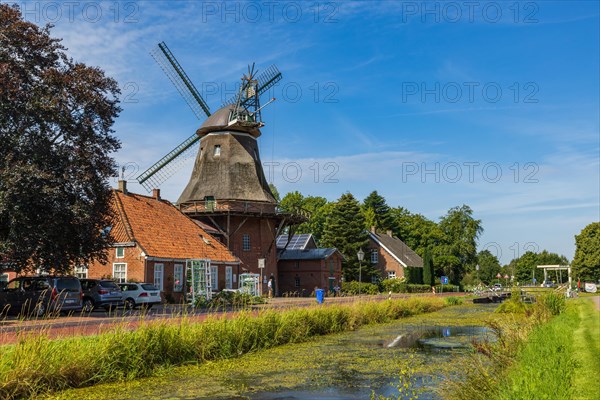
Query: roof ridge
(123,215)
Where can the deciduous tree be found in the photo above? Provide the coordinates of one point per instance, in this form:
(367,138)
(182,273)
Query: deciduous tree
(586,263)
(56,138)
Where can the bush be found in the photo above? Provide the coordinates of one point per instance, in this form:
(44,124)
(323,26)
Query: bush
(513,306)
(554,302)
(394,285)
(365,288)
(400,286)
(446,288)
(454,301)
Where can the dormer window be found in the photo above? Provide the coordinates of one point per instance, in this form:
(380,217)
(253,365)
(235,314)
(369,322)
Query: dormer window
(217,151)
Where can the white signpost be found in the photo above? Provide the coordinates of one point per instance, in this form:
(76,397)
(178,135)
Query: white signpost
(261,266)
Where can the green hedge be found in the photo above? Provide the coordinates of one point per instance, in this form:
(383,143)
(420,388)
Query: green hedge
(365,288)
(399,286)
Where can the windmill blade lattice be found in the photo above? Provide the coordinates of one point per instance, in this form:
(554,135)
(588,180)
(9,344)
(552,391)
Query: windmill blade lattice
(266,80)
(171,67)
(170,164)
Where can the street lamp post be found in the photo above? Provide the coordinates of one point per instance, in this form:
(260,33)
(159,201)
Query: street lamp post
(361,257)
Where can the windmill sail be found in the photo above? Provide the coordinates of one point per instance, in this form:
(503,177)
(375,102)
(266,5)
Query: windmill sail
(169,165)
(180,80)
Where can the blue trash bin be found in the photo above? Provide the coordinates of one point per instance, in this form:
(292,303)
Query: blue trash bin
(320,293)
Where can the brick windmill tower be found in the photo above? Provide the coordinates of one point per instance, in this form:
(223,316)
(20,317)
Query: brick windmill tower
(227,189)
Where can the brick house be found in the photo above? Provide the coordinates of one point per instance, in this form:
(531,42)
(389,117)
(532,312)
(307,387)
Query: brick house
(303,267)
(390,255)
(153,241)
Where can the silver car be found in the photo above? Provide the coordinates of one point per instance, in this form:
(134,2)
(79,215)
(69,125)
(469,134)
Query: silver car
(101,293)
(143,295)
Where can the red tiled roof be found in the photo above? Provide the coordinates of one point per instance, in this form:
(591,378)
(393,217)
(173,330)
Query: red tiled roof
(162,230)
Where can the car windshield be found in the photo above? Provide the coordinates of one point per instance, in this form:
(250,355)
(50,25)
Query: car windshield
(68,284)
(109,285)
(147,286)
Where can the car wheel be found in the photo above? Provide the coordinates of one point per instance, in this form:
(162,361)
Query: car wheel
(129,304)
(88,305)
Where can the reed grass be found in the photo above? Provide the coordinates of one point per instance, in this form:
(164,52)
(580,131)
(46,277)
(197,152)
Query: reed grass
(38,365)
(551,354)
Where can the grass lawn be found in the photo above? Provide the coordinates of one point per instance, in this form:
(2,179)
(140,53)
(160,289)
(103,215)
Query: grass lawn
(587,352)
(561,359)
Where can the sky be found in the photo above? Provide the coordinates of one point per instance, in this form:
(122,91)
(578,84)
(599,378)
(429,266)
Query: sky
(433,104)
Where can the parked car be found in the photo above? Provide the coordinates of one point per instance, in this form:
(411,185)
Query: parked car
(101,293)
(140,294)
(548,284)
(497,287)
(39,295)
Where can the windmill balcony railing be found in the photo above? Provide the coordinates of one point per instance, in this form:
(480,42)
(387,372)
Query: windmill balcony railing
(227,206)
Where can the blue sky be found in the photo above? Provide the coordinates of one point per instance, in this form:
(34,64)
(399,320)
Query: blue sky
(438,104)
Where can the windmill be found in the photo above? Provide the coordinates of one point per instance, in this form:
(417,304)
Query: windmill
(227,188)
(243,113)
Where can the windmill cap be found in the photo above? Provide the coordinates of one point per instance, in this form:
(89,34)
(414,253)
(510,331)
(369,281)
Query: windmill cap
(219,120)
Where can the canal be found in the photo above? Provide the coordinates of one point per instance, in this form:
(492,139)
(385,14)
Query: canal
(415,353)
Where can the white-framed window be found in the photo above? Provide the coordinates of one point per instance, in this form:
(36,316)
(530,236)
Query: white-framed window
(374,256)
(217,151)
(214,277)
(120,272)
(391,274)
(81,271)
(159,271)
(120,252)
(228,277)
(297,281)
(246,242)
(374,279)
(178,278)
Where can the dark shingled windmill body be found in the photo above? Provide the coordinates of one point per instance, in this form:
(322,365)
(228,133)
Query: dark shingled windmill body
(227,189)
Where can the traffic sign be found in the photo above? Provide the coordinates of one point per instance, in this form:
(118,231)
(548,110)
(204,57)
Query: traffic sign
(444,280)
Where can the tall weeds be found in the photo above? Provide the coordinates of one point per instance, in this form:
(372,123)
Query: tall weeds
(39,365)
(530,350)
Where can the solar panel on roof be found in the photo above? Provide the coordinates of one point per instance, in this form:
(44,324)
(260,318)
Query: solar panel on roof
(297,242)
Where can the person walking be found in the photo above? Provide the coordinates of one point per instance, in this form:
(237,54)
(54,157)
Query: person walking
(270,287)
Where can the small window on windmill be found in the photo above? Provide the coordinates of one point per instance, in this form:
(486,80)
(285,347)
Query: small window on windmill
(201,149)
(210,203)
(217,151)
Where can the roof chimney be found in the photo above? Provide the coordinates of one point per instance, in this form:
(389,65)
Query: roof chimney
(373,229)
(389,233)
(123,186)
(156,194)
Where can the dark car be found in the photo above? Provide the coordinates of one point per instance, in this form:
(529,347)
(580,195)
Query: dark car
(101,293)
(39,295)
